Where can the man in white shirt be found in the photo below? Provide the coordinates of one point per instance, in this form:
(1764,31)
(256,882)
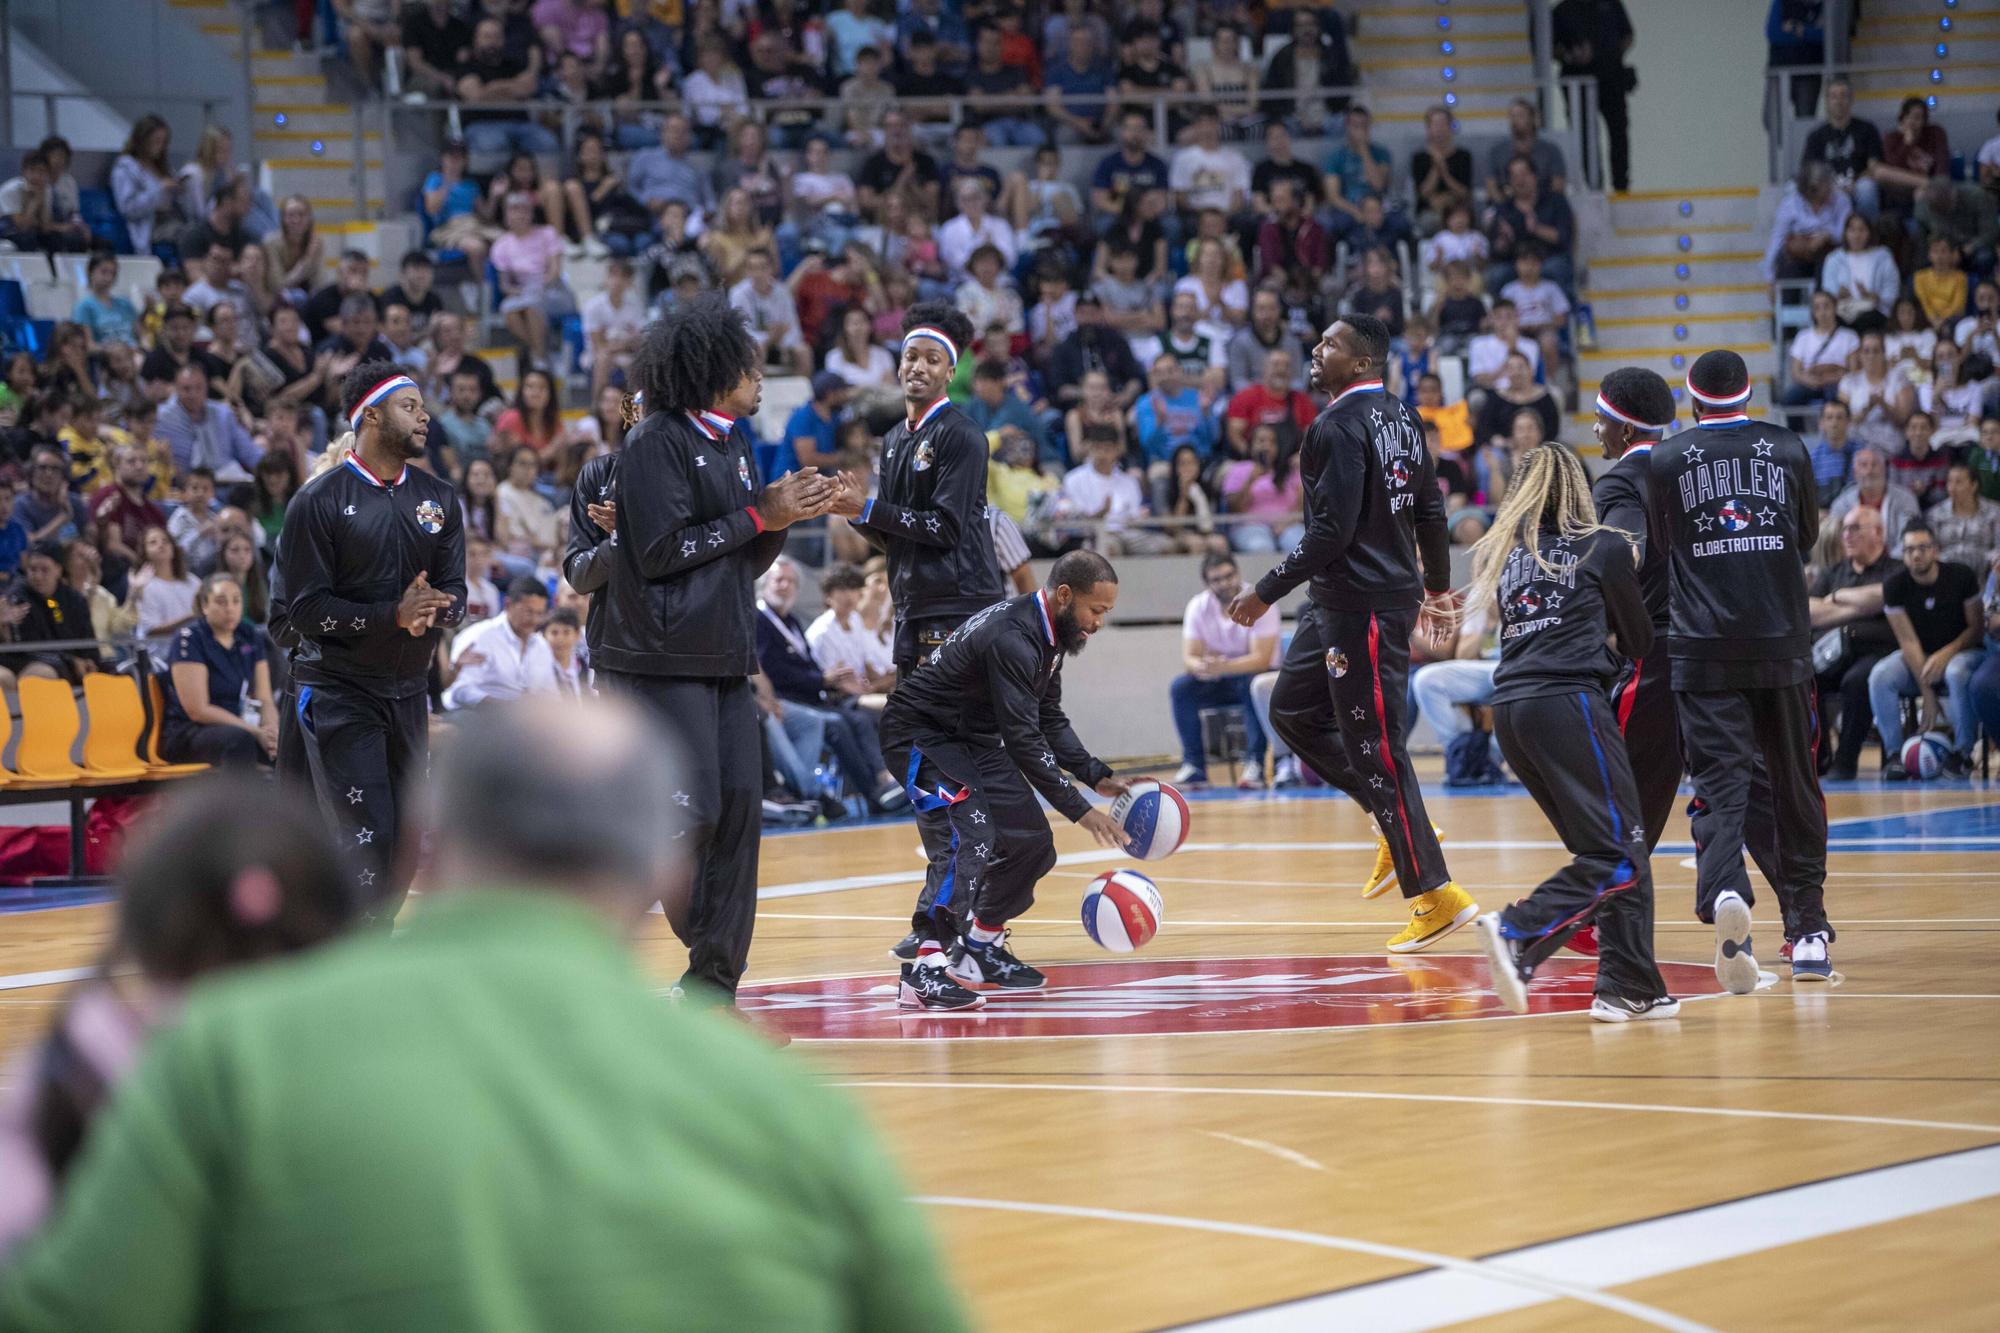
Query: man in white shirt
(1101,489)
(1205,174)
(774,318)
(1486,355)
(505,657)
(1222,658)
(612,322)
(838,637)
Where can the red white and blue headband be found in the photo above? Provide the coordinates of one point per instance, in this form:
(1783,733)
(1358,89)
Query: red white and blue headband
(377,394)
(926,331)
(1604,405)
(1737,399)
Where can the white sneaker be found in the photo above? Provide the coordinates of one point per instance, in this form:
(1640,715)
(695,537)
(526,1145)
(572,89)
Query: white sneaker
(573,250)
(1503,963)
(1809,959)
(595,249)
(1187,775)
(1735,963)
(1624,1009)
(1286,774)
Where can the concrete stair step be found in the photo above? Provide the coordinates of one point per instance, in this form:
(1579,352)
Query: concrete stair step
(1665,243)
(1704,208)
(1423,21)
(1511,73)
(1762,359)
(1400,104)
(1663,270)
(304,89)
(329,121)
(1750,298)
(1958,76)
(1369,50)
(1924,19)
(1658,330)
(1970,46)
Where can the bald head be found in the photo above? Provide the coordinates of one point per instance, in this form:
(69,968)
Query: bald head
(574,799)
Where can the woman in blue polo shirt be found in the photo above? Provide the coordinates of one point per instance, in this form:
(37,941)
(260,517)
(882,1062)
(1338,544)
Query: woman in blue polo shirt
(218,663)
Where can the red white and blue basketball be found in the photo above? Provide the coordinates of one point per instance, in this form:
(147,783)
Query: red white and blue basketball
(1153,818)
(1734,516)
(1121,910)
(1923,756)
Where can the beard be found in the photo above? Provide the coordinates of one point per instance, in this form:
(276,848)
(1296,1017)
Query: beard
(1069,635)
(406,445)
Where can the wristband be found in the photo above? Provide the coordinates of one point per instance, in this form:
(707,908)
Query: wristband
(867,508)
(755,517)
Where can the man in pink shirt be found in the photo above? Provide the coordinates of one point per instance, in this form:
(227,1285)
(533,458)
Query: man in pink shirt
(1222,658)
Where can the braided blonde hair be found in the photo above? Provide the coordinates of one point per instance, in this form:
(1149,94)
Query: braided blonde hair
(1549,487)
(339,448)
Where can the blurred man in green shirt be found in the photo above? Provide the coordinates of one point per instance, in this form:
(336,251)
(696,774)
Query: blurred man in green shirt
(491,1121)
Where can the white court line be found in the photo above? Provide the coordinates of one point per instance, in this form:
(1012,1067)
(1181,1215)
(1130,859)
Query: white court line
(1277,1150)
(1637,1251)
(23,980)
(1341,1094)
(1528,1289)
(1844,923)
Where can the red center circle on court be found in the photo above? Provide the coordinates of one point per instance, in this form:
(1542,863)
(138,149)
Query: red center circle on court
(1192,995)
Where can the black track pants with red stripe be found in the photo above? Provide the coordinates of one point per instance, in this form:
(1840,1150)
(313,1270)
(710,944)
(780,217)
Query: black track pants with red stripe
(1643,700)
(1339,704)
(1567,751)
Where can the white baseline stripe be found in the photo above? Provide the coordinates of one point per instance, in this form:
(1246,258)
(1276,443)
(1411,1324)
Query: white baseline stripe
(1640,1250)
(23,980)
(1333,1094)
(1522,1289)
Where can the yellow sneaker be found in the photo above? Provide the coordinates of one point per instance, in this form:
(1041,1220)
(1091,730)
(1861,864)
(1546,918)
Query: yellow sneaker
(1383,877)
(1433,916)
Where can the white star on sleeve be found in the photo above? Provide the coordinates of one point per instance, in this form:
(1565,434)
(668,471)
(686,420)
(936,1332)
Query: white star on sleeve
(906,518)
(687,548)
(1048,759)
(715,539)
(932,523)
(328,625)
(359,623)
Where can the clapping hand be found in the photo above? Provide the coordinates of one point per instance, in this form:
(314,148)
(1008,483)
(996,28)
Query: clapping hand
(795,496)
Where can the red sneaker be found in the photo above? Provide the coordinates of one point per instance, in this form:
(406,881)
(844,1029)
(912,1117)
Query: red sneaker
(1583,942)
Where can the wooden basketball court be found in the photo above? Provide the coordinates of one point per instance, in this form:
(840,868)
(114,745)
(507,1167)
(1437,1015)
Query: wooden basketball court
(1263,1121)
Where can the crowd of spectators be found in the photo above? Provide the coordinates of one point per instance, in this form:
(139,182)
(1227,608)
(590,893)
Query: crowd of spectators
(1893,379)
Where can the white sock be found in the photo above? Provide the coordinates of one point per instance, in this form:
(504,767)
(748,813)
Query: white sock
(984,934)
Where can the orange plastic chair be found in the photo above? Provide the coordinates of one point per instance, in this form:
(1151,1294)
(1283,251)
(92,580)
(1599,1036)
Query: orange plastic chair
(8,777)
(156,700)
(49,723)
(117,721)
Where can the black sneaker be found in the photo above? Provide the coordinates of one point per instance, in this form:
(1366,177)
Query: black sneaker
(1956,765)
(906,948)
(992,965)
(1893,771)
(933,988)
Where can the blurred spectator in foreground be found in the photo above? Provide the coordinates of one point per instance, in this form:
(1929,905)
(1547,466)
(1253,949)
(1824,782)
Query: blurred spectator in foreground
(739,1186)
(227,874)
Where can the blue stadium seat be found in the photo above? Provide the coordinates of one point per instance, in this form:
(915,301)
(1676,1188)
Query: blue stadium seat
(99,212)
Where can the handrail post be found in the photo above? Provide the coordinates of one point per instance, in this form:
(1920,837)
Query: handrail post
(360,170)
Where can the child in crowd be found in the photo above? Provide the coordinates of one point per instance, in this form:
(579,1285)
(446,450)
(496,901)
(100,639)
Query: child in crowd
(1543,308)
(170,290)
(1454,422)
(1415,357)
(1909,343)
(1941,289)
(482,597)
(1458,243)
(1459,310)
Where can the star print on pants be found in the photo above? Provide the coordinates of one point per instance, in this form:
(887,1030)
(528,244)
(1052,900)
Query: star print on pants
(354,796)
(1376,781)
(367,877)
(979,816)
(681,798)
(1359,712)
(364,836)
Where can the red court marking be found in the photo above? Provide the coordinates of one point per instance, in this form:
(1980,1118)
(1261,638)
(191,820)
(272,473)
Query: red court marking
(1193,995)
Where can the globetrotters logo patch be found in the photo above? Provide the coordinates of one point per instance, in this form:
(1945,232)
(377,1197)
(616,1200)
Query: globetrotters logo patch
(1192,995)
(1734,516)
(430,517)
(1336,662)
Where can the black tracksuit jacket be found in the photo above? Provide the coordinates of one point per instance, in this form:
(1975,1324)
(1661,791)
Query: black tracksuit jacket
(1735,506)
(350,545)
(1372,508)
(1000,673)
(929,518)
(684,563)
(587,560)
(1553,624)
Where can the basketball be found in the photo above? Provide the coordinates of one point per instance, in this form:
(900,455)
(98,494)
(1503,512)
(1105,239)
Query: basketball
(1923,756)
(1154,819)
(1121,910)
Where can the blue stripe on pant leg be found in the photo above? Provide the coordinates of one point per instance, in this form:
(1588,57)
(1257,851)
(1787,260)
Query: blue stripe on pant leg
(1623,876)
(926,802)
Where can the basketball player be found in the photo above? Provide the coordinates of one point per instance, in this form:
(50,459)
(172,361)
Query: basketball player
(980,730)
(1732,503)
(593,521)
(1375,549)
(1565,582)
(929,517)
(1635,409)
(692,531)
(371,563)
